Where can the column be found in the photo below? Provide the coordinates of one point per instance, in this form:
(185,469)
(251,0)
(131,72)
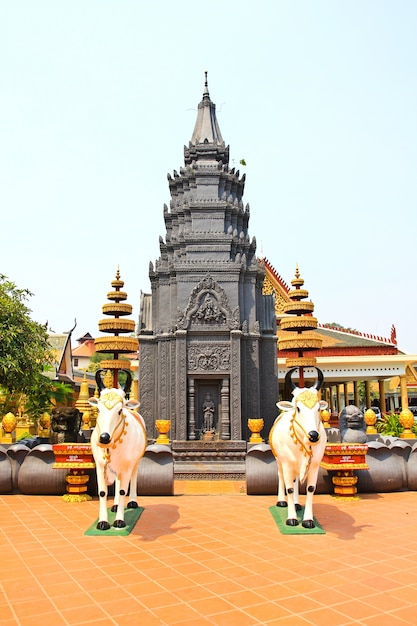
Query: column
(346,393)
(338,402)
(191,409)
(181,384)
(382,404)
(355,393)
(224,417)
(235,385)
(331,403)
(368,394)
(404,393)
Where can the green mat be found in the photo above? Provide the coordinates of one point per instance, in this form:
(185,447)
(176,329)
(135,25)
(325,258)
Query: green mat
(131,517)
(279,513)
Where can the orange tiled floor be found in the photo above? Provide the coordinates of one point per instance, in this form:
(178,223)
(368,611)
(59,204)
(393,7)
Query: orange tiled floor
(209,555)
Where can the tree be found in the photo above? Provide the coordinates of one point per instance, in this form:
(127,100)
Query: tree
(25,352)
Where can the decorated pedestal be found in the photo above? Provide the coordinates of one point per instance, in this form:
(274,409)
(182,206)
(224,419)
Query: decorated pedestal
(342,459)
(77,457)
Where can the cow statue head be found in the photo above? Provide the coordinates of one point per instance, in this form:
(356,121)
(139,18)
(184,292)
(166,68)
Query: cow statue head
(111,404)
(305,405)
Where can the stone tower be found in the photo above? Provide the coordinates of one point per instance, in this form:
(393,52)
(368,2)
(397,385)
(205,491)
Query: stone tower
(207,337)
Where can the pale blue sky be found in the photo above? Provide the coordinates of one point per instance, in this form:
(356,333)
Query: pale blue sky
(98,98)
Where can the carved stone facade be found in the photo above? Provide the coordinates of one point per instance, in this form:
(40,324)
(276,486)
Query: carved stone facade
(207,329)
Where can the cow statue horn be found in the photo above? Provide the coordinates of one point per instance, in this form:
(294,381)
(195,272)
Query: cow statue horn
(126,387)
(99,380)
(317,385)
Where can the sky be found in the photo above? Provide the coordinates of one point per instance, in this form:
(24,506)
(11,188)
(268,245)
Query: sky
(99,97)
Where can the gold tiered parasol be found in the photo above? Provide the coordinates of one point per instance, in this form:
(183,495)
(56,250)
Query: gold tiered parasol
(300,324)
(117,325)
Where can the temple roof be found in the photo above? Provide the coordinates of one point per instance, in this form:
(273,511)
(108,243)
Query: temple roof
(335,340)
(206,128)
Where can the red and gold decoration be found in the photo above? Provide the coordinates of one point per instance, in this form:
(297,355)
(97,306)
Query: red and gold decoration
(343,459)
(76,457)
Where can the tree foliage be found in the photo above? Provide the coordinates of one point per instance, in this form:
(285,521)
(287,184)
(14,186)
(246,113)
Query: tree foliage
(24,348)
(25,354)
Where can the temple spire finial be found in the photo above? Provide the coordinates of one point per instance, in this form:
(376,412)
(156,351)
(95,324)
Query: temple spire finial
(206,129)
(206,90)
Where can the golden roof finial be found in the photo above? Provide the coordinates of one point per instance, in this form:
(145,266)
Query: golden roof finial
(108,380)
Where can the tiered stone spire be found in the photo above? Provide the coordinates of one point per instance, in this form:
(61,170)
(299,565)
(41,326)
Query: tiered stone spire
(116,345)
(301,324)
(206,327)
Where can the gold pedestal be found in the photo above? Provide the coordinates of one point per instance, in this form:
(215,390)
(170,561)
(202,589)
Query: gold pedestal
(7,438)
(77,481)
(255,426)
(163,427)
(345,483)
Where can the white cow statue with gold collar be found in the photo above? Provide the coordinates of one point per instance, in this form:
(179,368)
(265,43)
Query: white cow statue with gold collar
(298,440)
(118,443)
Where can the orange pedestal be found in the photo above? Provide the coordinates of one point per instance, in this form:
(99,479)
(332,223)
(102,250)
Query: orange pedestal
(77,457)
(342,459)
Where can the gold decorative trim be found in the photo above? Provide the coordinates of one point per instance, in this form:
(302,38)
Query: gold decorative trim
(74,465)
(298,294)
(294,322)
(117,308)
(300,307)
(116,295)
(115,364)
(116,344)
(299,344)
(125,326)
(301,361)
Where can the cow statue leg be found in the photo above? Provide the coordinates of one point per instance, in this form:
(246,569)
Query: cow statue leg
(292,492)
(133,488)
(282,493)
(308,520)
(103,521)
(282,501)
(116,496)
(122,487)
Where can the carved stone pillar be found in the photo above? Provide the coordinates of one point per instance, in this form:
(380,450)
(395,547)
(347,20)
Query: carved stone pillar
(235,385)
(181,365)
(225,410)
(191,412)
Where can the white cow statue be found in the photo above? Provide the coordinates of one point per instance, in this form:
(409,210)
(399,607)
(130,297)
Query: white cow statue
(118,443)
(298,439)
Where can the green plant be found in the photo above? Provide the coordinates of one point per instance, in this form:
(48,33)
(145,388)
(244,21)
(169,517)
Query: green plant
(390,425)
